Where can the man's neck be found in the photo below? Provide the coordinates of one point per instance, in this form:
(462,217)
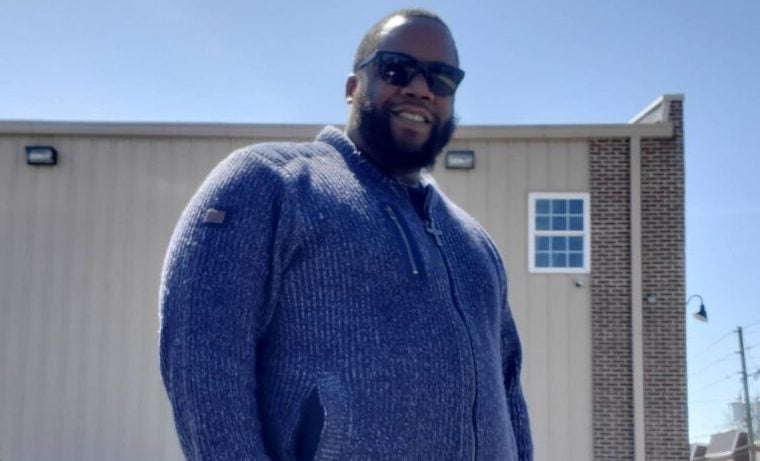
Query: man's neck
(409,178)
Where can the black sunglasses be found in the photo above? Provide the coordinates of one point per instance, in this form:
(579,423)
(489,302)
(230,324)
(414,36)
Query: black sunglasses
(399,69)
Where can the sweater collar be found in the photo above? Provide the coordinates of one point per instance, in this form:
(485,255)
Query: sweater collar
(343,144)
(337,139)
(354,158)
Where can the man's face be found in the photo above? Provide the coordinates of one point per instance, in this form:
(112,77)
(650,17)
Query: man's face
(403,128)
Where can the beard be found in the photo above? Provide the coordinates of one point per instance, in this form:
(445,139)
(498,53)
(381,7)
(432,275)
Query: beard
(388,154)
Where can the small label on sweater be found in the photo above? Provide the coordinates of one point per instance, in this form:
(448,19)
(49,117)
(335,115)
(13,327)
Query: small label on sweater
(214,216)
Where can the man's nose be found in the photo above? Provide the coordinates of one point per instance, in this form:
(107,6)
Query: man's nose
(418,86)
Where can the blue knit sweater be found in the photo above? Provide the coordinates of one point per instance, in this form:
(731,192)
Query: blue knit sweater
(309,312)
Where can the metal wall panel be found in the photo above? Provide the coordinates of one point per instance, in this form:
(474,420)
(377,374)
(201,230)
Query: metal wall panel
(552,313)
(82,244)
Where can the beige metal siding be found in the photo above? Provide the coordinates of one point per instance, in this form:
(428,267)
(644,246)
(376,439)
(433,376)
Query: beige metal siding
(82,245)
(552,313)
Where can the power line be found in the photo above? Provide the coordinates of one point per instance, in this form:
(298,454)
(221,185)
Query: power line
(692,335)
(753,334)
(709,401)
(754,370)
(718,428)
(715,342)
(709,365)
(720,381)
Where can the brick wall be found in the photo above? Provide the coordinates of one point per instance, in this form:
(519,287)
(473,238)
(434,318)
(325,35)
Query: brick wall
(662,211)
(612,387)
(662,215)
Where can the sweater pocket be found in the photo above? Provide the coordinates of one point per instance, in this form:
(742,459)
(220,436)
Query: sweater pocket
(324,428)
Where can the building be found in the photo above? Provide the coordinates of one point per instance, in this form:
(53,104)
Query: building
(589,218)
(725,446)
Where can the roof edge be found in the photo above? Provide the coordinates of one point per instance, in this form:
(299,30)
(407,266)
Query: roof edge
(658,111)
(169,129)
(309,131)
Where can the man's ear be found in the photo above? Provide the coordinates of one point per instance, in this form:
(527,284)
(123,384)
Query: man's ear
(352,82)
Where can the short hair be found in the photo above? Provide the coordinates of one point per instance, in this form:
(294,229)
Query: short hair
(370,40)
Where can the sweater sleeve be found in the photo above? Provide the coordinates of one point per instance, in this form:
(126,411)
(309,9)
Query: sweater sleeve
(218,289)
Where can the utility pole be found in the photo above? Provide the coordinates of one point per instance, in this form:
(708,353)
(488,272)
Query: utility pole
(747,408)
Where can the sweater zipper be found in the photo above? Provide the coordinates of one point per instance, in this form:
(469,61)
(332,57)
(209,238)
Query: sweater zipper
(436,233)
(404,238)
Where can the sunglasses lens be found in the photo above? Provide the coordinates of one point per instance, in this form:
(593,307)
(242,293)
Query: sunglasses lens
(396,69)
(399,69)
(443,80)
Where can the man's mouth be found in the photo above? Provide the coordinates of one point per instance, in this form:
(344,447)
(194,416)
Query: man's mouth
(417,116)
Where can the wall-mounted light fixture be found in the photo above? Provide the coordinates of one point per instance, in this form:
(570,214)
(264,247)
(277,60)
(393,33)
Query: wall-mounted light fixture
(41,155)
(702,313)
(460,160)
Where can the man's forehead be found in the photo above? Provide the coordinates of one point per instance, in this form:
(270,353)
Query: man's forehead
(416,33)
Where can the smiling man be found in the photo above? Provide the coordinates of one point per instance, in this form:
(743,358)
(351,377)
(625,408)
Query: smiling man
(326,301)
(402,118)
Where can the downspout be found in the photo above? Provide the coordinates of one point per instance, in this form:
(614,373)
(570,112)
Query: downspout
(637,340)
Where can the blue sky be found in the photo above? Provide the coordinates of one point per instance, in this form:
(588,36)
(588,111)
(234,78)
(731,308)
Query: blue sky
(527,63)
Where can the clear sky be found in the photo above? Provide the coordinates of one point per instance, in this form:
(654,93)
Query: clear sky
(537,62)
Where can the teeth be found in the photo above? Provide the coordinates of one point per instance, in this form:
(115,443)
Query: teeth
(410,116)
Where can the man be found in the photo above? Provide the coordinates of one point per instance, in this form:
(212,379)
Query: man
(325,301)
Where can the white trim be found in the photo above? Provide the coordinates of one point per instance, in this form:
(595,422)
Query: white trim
(662,103)
(213,130)
(637,296)
(585,233)
(660,130)
(295,131)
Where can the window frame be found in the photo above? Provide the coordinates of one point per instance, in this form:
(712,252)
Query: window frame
(533,199)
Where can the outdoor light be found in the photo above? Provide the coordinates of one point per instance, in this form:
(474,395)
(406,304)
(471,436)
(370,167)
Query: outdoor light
(460,159)
(702,314)
(41,155)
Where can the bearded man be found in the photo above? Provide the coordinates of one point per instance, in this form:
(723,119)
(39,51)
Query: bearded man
(326,301)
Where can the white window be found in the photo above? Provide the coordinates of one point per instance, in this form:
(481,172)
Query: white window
(559,232)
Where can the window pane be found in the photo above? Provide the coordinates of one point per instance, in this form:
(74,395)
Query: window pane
(575,244)
(559,232)
(576,223)
(559,223)
(576,206)
(559,243)
(542,259)
(542,243)
(576,259)
(542,206)
(559,206)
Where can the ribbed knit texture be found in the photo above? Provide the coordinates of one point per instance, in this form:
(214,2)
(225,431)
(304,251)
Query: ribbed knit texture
(317,274)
